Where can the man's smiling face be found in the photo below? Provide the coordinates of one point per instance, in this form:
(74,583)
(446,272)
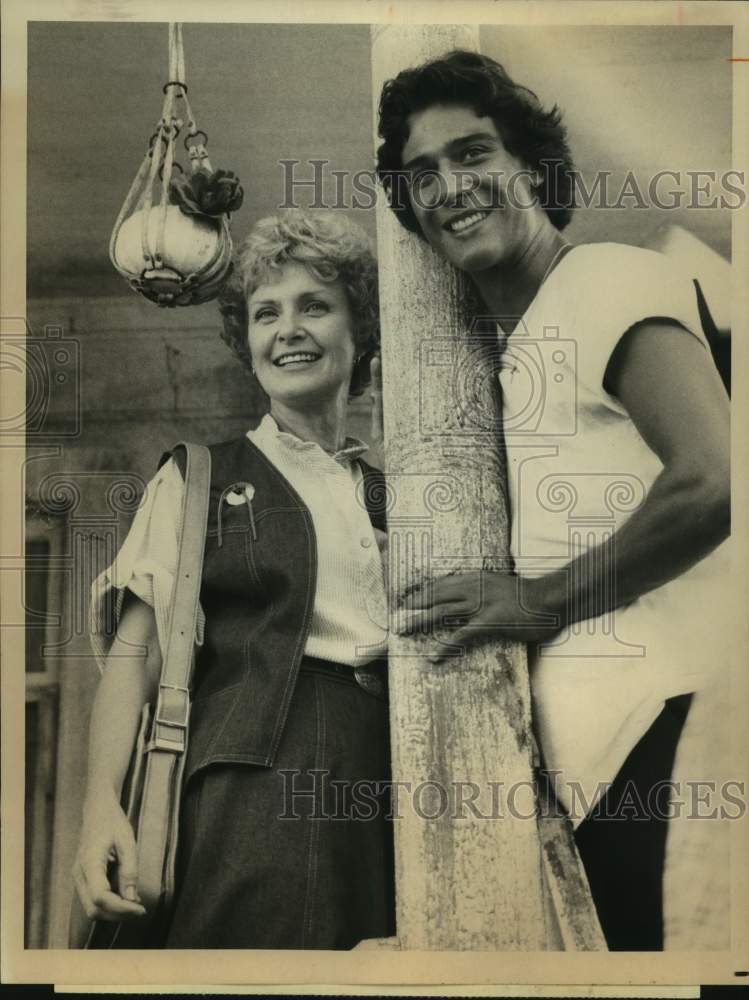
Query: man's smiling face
(472,199)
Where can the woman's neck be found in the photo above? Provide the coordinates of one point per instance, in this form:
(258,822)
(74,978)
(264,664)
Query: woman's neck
(325,426)
(508,289)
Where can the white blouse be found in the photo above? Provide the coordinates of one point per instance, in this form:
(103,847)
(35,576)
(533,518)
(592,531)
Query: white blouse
(349,620)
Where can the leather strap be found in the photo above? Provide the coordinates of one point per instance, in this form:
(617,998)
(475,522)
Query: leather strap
(156,835)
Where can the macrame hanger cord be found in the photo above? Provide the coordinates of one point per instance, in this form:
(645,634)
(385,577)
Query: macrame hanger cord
(171,126)
(198,153)
(152,243)
(146,198)
(134,197)
(139,197)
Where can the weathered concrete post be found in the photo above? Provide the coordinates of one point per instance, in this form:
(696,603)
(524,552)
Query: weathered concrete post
(464,880)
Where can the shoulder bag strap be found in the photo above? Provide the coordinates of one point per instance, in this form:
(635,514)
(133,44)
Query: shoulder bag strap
(173,703)
(159,807)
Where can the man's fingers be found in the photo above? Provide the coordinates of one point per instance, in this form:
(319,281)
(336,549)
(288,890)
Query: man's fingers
(375,370)
(426,621)
(459,643)
(445,590)
(410,622)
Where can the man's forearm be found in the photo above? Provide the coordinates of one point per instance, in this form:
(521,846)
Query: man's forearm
(680,522)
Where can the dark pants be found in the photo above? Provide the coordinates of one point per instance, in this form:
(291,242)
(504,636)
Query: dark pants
(298,855)
(623,857)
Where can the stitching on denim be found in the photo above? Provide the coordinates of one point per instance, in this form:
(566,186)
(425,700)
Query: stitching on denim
(312,857)
(301,641)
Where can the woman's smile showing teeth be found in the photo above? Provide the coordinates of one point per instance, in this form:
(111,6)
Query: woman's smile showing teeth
(465,222)
(298,357)
(301,337)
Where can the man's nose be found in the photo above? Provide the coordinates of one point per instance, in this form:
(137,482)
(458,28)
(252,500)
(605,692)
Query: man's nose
(458,186)
(448,187)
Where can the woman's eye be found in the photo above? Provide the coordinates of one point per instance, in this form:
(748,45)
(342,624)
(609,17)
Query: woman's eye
(264,315)
(316,308)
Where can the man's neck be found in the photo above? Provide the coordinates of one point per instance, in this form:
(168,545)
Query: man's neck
(508,289)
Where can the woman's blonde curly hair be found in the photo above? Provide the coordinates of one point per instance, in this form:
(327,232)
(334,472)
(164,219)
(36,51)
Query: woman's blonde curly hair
(332,248)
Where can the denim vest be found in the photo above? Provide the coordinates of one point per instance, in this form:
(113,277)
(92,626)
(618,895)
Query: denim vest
(258,593)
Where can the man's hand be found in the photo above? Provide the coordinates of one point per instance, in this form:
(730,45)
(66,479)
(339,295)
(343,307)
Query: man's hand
(376,432)
(479,605)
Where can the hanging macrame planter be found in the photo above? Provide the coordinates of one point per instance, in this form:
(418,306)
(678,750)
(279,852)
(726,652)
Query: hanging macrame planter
(171,240)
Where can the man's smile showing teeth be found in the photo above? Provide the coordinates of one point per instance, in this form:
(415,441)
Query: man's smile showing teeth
(291,359)
(466,222)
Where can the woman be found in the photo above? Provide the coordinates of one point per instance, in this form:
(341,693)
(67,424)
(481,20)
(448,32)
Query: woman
(284,841)
(617,456)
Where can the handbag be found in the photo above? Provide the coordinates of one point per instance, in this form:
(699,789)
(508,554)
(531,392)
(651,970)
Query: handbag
(151,792)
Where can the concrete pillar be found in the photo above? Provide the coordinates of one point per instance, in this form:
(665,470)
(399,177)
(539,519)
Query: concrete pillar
(463,881)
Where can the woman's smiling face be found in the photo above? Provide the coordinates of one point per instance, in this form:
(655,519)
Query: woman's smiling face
(301,337)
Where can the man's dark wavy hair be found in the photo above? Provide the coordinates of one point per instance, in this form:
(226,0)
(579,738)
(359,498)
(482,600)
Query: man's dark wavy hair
(537,137)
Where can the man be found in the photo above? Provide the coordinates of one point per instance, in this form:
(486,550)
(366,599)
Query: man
(477,168)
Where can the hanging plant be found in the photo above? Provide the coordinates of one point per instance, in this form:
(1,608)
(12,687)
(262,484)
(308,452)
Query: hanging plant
(206,193)
(171,240)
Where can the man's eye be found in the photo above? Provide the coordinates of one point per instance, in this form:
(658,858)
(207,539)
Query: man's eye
(473,152)
(422,178)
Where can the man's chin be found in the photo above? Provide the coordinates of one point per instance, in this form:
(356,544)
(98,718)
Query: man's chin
(475,260)
(471,256)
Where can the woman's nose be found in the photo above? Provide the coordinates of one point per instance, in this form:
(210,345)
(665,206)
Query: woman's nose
(288,326)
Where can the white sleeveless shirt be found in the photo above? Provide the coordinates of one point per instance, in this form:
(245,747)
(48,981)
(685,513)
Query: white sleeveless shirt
(577,469)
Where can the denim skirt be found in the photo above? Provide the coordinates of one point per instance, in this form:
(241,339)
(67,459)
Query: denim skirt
(300,854)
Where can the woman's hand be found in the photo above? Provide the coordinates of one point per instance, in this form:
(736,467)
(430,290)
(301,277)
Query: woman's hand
(107,837)
(479,605)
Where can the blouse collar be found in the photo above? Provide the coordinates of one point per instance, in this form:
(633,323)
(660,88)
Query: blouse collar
(269,432)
